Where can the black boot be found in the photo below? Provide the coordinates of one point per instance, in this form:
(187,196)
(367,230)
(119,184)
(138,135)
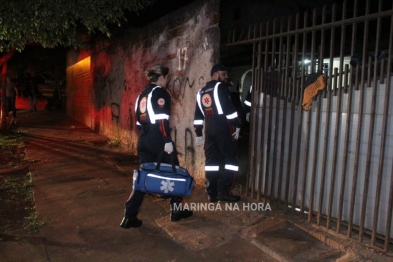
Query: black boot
(128,222)
(179,213)
(228,198)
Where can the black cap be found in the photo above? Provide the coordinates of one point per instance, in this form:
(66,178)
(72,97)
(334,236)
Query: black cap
(217,67)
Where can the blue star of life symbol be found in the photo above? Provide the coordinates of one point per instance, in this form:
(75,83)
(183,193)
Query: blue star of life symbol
(167,186)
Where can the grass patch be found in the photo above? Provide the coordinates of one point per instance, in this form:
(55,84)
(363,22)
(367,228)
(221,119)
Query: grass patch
(12,151)
(114,142)
(17,211)
(18,206)
(33,222)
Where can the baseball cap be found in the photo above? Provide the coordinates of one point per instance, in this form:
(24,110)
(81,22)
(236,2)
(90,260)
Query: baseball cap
(217,67)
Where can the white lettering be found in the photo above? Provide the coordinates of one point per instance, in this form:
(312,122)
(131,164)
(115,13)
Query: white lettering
(268,207)
(232,206)
(246,206)
(177,206)
(217,206)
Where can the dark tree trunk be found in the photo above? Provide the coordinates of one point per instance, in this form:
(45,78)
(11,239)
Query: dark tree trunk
(4,68)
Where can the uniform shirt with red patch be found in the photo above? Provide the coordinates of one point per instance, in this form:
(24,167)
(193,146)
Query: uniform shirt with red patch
(153,108)
(208,106)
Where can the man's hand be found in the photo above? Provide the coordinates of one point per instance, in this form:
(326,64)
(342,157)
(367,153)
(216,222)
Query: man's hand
(199,141)
(168,147)
(236,134)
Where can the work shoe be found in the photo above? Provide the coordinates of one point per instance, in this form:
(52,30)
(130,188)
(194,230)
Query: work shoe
(177,215)
(212,199)
(128,222)
(228,198)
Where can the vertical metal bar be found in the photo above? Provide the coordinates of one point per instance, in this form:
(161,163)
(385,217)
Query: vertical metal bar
(325,146)
(371,131)
(314,155)
(278,106)
(347,124)
(309,114)
(303,66)
(359,130)
(312,55)
(260,127)
(258,89)
(300,123)
(314,169)
(322,189)
(381,159)
(254,117)
(292,113)
(289,169)
(263,159)
(338,119)
(283,131)
(295,54)
(270,127)
(284,113)
(270,84)
(298,144)
(332,42)
(251,151)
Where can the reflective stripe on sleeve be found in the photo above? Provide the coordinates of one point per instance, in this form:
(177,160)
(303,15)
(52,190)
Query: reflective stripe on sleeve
(198,98)
(161,116)
(150,107)
(198,122)
(212,168)
(247,103)
(217,100)
(232,116)
(232,167)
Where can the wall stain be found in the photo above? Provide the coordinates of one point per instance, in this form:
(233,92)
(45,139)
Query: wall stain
(115,110)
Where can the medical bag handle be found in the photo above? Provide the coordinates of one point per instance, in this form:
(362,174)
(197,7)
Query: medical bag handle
(172,161)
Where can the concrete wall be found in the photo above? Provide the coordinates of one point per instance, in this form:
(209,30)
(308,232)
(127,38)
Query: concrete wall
(187,41)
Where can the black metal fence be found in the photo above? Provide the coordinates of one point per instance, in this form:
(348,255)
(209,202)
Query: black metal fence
(332,163)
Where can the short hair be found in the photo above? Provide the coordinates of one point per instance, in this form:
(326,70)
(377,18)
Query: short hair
(217,67)
(156,71)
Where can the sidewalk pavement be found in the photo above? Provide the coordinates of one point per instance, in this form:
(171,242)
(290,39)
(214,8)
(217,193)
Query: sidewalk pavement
(80,186)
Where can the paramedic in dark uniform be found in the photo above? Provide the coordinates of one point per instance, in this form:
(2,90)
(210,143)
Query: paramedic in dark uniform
(152,110)
(247,105)
(215,111)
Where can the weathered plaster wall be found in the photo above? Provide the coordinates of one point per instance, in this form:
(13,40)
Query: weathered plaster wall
(187,41)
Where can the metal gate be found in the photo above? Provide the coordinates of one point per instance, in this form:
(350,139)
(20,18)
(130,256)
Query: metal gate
(332,163)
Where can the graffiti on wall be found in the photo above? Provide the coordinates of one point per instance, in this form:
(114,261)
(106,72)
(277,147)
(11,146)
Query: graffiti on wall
(182,58)
(189,150)
(178,89)
(189,146)
(205,44)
